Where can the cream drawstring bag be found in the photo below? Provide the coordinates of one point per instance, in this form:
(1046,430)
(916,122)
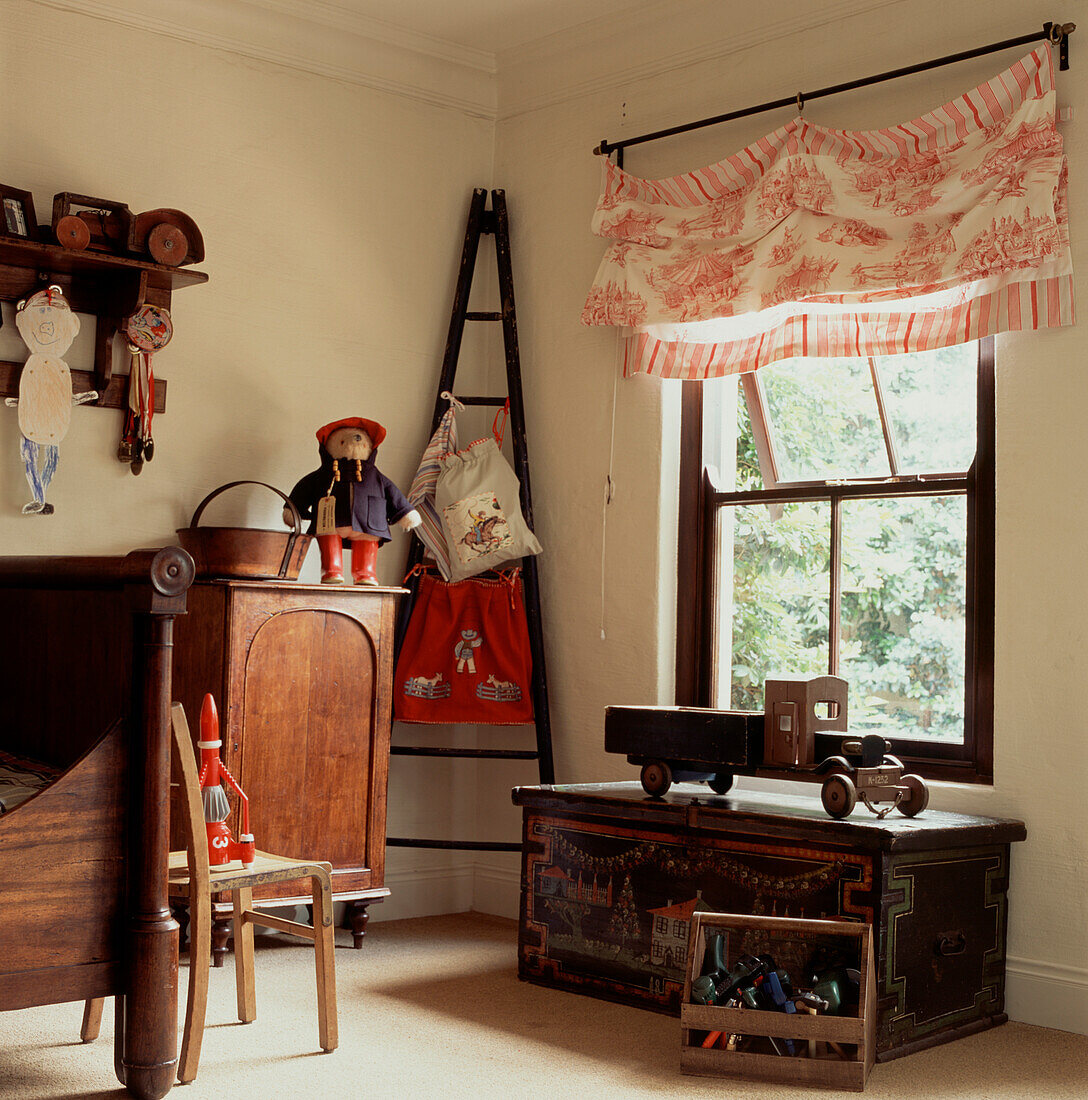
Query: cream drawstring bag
(478,498)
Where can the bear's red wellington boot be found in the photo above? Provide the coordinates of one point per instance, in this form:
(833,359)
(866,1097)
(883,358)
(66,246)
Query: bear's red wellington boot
(364,557)
(332,559)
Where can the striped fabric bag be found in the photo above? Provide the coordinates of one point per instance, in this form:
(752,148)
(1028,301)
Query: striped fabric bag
(421,493)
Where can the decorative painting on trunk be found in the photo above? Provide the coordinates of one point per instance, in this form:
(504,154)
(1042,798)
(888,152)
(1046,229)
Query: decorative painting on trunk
(607,911)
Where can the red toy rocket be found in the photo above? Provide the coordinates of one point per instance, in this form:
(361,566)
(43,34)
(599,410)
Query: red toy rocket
(222,847)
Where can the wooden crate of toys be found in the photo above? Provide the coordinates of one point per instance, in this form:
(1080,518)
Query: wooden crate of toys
(779,999)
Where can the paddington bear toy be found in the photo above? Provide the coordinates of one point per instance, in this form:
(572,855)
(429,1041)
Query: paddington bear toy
(349,500)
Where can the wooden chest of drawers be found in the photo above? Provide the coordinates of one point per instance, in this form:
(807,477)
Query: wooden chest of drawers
(301,675)
(611,878)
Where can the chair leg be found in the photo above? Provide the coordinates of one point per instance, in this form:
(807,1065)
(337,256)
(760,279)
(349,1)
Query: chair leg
(92,1019)
(200,950)
(243,956)
(324,946)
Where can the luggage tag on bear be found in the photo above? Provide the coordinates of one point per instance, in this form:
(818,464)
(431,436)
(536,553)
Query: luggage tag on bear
(326,516)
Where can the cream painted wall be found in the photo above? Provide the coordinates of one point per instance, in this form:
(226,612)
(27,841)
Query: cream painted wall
(559,99)
(332,216)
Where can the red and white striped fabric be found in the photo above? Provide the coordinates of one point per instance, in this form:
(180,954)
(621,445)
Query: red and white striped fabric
(421,494)
(825,242)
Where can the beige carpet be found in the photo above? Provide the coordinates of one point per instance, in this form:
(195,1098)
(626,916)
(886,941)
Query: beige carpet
(433,1008)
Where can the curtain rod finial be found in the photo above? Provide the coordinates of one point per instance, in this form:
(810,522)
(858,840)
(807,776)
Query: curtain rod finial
(603,149)
(1058,35)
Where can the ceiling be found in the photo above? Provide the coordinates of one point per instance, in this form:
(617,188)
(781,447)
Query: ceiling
(487,25)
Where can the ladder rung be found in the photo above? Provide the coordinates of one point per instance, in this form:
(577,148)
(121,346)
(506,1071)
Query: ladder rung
(483,315)
(425,750)
(496,401)
(465,845)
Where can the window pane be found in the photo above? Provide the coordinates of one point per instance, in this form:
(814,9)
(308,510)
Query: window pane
(727,435)
(773,618)
(931,403)
(747,475)
(825,421)
(904,616)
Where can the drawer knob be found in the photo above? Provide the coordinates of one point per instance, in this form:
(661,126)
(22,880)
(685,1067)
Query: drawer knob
(951,943)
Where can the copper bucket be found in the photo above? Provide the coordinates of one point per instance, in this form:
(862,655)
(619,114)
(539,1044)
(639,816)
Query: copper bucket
(245,551)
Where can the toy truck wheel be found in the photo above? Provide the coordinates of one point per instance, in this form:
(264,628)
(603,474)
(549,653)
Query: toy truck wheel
(167,245)
(917,797)
(656,777)
(839,795)
(72,233)
(721,782)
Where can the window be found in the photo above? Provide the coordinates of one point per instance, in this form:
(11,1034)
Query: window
(837,516)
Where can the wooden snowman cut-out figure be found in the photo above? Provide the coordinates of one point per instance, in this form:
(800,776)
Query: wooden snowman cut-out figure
(349,500)
(48,327)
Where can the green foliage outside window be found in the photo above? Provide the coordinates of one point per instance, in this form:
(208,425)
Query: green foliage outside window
(904,559)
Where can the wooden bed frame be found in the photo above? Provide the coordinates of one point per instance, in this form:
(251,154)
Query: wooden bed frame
(85,684)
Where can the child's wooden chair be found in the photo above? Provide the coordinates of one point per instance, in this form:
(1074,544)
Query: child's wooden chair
(192,879)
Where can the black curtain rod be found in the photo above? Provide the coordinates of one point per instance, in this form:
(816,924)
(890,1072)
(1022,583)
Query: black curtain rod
(1057,33)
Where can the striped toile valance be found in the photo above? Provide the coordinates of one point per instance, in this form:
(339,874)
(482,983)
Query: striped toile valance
(825,242)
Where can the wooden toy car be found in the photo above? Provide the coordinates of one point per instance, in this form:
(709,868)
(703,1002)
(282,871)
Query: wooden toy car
(873,776)
(696,744)
(165,236)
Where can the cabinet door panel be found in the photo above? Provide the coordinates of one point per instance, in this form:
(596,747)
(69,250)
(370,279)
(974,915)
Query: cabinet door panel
(307,721)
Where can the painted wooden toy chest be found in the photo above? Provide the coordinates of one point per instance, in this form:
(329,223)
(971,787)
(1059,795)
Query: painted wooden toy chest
(611,878)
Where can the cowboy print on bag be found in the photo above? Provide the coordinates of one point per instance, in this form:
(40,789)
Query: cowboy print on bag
(478,497)
(478,526)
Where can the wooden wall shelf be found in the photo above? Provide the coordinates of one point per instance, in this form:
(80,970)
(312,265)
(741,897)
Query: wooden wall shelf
(109,287)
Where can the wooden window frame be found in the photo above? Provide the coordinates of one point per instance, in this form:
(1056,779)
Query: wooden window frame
(700,498)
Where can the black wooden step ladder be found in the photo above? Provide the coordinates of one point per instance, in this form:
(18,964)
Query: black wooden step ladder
(495,222)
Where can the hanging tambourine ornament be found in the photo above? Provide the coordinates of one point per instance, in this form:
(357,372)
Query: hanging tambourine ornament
(148,330)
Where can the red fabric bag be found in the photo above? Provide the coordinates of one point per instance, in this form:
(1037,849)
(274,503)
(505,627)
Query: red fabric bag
(465,655)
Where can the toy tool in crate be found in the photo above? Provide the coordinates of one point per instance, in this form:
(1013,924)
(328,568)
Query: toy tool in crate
(697,744)
(779,999)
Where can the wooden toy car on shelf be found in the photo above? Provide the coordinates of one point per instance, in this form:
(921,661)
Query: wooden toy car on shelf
(696,744)
(167,237)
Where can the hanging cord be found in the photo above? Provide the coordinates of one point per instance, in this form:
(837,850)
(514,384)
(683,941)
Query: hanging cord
(149,407)
(141,408)
(609,483)
(509,577)
(499,430)
(418,570)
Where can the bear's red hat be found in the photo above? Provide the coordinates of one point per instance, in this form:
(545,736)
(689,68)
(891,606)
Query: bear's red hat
(371,427)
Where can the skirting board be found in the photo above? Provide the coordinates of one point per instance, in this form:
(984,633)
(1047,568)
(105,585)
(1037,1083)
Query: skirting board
(433,891)
(1047,995)
(426,892)
(497,891)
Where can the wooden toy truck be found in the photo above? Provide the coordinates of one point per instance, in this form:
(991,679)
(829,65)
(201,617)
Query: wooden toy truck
(696,744)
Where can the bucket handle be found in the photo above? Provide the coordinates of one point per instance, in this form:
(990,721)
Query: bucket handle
(296,519)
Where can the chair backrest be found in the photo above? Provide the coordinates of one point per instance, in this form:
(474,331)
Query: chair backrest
(196,836)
